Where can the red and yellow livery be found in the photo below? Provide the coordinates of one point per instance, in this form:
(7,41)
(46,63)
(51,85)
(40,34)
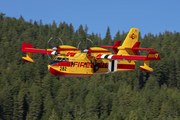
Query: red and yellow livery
(70,62)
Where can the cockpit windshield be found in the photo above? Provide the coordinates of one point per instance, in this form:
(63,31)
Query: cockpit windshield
(58,59)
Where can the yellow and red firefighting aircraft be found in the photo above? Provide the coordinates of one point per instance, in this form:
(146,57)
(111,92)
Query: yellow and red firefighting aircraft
(71,62)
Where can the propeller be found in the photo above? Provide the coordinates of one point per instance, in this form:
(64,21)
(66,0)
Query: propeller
(55,48)
(89,45)
(85,47)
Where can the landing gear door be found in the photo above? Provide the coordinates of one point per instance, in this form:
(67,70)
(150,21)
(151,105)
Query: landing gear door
(109,66)
(112,66)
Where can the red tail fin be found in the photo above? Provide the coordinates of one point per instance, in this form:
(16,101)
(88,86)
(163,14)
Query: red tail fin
(26,45)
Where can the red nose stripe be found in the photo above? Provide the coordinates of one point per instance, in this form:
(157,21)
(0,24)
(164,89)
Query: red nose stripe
(55,72)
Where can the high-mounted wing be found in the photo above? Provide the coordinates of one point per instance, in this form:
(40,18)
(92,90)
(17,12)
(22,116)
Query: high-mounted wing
(152,55)
(65,50)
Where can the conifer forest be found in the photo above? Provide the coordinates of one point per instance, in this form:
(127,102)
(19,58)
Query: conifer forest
(28,91)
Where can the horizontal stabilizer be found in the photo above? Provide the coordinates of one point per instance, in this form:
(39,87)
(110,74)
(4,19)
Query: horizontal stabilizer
(147,49)
(114,47)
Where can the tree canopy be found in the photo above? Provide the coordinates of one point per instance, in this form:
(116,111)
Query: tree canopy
(29,91)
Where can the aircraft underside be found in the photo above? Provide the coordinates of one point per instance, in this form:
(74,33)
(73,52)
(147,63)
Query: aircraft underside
(77,71)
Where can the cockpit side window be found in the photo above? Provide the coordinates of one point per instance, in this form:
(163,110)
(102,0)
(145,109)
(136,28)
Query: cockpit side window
(59,59)
(64,59)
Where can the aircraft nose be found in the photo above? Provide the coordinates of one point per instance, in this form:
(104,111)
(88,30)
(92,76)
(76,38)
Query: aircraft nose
(54,71)
(49,67)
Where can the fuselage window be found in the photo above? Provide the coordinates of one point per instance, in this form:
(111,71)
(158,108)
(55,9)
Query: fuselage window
(67,59)
(64,59)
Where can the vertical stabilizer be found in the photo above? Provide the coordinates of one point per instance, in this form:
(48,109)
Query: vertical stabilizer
(129,42)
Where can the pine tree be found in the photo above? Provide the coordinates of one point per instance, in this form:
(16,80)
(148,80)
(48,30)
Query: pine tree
(7,107)
(47,84)
(177,68)
(36,104)
(54,116)
(107,40)
(156,106)
(117,37)
(21,99)
(15,109)
(48,105)
(132,115)
(82,38)
(71,30)
(172,75)
(127,98)
(164,110)
(91,106)
(41,67)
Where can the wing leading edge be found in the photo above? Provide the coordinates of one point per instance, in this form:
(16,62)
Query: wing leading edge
(152,55)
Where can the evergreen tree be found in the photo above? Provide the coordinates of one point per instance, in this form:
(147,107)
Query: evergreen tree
(7,108)
(15,109)
(48,106)
(21,105)
(36,103)
(91,106)
(177,68)
(29,91)
(117,37)
(53,116)
(107,40)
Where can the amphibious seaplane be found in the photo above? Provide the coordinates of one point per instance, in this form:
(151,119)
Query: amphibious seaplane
(71,62)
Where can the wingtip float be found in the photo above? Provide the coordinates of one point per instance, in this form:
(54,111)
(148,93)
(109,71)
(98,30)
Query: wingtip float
(70,62)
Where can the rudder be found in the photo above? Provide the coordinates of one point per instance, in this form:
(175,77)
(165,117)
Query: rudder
(131,38)
(129,42)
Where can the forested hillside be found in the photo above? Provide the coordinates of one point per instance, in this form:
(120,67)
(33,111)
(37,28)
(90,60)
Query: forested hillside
(28,91)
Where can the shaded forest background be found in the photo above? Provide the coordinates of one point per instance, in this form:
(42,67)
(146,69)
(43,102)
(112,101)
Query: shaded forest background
(30,92)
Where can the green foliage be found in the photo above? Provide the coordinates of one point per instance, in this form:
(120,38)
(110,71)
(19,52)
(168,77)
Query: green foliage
(107,40)
(29,91)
